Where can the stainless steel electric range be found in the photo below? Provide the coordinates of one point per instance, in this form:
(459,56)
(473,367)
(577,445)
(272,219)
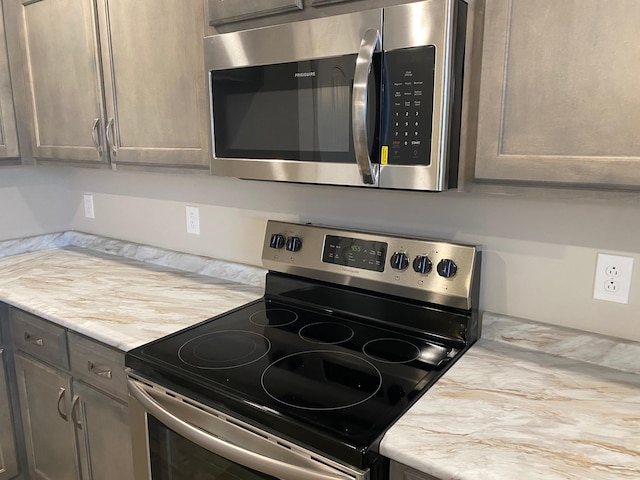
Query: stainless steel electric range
(303,383)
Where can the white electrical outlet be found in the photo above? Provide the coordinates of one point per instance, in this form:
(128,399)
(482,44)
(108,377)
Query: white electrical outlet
(613,278)
(88,206)
(193,220)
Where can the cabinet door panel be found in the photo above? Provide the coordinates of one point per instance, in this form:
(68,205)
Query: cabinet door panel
(63,77)
(8,454)
(104,437)
(8,133)
(558,101)
(49,438)
(155,82)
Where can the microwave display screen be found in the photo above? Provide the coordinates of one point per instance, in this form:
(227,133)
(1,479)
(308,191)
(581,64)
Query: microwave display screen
(354,252)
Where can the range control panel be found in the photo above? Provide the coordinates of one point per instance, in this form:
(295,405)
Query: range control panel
(428,270)
(409,75)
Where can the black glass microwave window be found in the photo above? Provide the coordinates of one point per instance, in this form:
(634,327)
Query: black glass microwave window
(290,111)
(409,77)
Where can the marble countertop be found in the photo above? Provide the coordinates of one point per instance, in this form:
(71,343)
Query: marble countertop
(122,302)
(528,401)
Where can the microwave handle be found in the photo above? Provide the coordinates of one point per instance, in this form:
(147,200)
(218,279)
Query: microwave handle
(370,42)
(218,446)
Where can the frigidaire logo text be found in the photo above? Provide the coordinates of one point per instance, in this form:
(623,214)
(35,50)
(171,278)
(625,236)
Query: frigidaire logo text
(304,74)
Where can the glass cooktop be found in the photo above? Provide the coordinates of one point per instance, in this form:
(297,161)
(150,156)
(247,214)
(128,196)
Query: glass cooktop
(310,375)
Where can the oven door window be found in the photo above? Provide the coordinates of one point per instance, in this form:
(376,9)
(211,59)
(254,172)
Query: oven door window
(175,458)
(290,111)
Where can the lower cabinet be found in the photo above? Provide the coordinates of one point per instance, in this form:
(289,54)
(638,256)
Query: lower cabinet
(45,403)
(72,395)
(402,472)
(8,453)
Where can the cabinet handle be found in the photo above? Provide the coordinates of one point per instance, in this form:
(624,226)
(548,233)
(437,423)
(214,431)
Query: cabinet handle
(74,405)
(101,373)
(110,143)
(34,340)
(94,136)
(62,414)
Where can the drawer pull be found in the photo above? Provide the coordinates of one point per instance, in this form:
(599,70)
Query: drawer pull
(101,373)
(34,340)
(60,412)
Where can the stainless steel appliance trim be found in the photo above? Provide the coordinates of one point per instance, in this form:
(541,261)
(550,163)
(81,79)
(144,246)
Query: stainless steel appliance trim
(289,171)
(416,24)
(454,292)
(371,41)
(291,42)
(261,451)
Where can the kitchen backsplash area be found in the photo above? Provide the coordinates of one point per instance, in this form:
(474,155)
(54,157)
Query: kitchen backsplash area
(540,247)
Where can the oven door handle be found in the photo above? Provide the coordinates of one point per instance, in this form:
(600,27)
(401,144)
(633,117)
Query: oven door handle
(364,61)
(231,452)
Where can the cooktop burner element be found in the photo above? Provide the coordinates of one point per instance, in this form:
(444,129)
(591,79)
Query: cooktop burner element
(273,317)
(391,350)
(326,332)
(336,350)
(324,379)
(224,349)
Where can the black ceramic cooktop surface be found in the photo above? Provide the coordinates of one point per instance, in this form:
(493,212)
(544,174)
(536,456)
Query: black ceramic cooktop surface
(331,383)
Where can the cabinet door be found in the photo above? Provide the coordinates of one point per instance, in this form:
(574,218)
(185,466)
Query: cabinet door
(155,82)
(558,99)
(402,472)
(8,133)
(103,434)
(63,79)
(48,428)
(8,454)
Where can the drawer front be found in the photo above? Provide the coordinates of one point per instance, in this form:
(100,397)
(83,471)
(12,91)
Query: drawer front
(39,338)
(98,365)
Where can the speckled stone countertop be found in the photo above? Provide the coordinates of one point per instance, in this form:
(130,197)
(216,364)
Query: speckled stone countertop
(530,402)
(130,296)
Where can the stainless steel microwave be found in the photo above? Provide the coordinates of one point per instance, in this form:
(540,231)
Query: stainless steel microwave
(369,99)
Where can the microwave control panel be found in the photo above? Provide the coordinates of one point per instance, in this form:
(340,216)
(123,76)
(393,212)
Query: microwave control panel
(409,77)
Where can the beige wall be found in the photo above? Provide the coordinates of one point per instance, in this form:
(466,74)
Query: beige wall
(34,201)
(539,246)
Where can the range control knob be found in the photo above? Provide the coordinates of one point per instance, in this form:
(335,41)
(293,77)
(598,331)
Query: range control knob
(294,244)
(447,268)
(422,264)
(277,241)
(399,261)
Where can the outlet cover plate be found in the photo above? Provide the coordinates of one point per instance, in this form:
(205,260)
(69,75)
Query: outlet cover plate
(613,278)
(193,220)
(89,212)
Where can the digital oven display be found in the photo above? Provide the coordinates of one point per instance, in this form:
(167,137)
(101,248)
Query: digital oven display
(354,252)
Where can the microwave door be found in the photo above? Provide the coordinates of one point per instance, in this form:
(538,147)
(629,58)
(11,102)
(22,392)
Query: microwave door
(286,109)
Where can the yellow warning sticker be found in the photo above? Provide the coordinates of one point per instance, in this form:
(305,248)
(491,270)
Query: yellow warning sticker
(384,155)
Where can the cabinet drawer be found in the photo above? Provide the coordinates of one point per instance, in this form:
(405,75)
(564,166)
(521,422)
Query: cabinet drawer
(98,365)
(39,338)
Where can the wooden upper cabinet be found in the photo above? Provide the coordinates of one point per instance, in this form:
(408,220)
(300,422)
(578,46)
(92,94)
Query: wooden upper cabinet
(63,79)
(559,101)
(8,133)
(117,82)
(155,85)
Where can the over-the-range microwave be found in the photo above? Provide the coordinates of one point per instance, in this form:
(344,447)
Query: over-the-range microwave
(371,98)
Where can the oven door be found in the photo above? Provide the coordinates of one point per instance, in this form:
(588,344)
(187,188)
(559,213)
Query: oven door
(298,102)
(179,439)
